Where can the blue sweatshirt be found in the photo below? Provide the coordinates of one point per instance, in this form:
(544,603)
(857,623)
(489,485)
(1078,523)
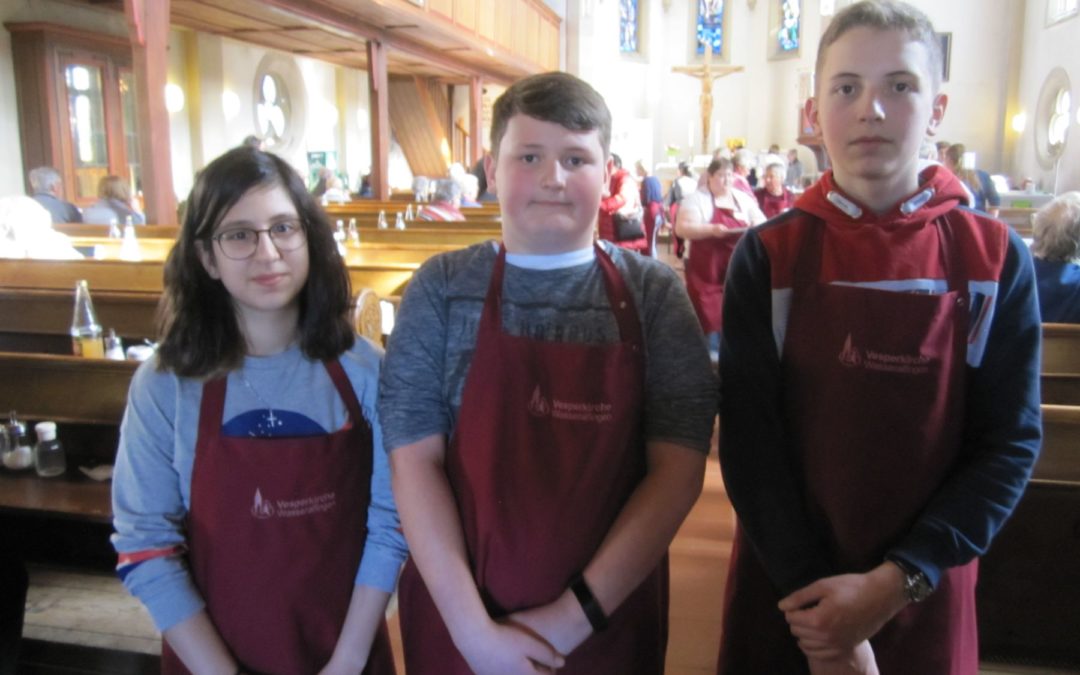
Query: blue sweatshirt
(897,251)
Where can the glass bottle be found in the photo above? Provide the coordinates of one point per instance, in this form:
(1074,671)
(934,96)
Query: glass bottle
(49,459)
(114,349)
(85,329)
(129,245)
(382,220)
(399,222)
(114,229)
(20,455)
(354,233)
(408,214)
(339,237)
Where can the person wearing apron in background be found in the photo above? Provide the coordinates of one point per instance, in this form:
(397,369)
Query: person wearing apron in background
(548,407)
(879,370)
(713,219)
(251,497)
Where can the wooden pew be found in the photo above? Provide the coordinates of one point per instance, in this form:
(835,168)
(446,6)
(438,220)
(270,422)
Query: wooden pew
(146,277)
(1020,218)
(1061,364)
(71,391)
(1061,348)
(1029,581)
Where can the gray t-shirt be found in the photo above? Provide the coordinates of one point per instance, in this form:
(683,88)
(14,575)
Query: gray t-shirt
(434,337)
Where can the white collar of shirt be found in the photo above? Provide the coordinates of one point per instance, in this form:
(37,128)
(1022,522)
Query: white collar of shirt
(556,261)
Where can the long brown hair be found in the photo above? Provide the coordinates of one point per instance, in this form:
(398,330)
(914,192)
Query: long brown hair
(197,326)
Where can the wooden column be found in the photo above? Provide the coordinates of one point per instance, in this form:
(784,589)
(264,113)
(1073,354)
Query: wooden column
(379,100)
(148,28)
(476,119)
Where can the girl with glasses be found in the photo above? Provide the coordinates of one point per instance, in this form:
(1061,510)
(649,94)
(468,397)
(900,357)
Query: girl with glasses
(251,497)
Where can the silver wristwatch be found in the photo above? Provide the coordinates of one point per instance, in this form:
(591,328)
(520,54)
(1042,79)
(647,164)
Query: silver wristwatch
(916,585)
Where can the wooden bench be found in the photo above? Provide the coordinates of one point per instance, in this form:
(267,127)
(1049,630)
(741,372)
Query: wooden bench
(1029,581)
(79,394)
(146,277)
(1061,363)
(37,305)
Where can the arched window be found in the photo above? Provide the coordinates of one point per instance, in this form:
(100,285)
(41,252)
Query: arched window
(710,25)
(272,110)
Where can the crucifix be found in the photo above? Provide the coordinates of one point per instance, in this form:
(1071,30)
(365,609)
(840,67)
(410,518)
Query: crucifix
(707,73)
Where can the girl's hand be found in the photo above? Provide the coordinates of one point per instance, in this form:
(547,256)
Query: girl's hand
(506,649)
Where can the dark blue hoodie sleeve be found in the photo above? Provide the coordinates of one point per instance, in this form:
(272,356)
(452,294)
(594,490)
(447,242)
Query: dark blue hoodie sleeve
(1002,432)
(759,469)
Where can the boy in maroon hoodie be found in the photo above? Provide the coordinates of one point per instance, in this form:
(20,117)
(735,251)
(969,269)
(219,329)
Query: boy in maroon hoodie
(879,370)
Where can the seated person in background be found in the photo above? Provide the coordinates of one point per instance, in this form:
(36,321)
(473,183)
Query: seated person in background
(26,232)
(773,197)
(335,190)
(113,204)
(1057,259)
(446,203)
(46,184)
(976,180)
(470,188)
(420,188)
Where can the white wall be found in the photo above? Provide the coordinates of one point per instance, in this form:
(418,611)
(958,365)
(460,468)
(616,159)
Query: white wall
(762,103)
(1046,48)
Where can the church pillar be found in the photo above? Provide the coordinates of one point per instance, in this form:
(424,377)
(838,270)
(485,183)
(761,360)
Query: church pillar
(476,119)
(148,28)
(379,102)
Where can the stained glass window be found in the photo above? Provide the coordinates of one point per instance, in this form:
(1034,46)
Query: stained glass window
(710,25)
(629,26)
(787,33)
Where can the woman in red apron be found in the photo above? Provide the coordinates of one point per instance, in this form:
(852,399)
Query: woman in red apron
(713,220)
(256,521)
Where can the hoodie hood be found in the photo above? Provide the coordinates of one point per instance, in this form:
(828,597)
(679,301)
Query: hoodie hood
(939,192)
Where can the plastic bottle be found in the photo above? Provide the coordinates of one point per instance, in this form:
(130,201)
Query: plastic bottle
(339,237)
(354,233)
(85,329)
(20,455)
(399,222)
(49,458)
(382,220)
(114,349)
(129,246)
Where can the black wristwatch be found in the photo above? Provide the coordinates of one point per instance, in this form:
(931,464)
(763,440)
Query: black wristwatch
(916,584)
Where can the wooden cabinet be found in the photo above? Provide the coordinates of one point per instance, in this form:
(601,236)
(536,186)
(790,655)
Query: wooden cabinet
(75,95)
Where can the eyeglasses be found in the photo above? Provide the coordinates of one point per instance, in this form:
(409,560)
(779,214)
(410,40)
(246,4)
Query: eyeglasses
(241,243)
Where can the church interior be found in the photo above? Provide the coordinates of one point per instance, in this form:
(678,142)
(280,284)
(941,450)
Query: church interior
(377,93)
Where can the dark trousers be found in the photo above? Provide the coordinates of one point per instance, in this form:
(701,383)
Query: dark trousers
(13,584)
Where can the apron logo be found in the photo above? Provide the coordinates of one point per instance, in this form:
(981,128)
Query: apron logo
(292,508)
(538,405)
(569,411)
(849,355)
(262,508)
(901,364)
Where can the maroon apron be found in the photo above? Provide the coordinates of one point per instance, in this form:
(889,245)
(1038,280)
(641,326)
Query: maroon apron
(706,268)
(547,450)
(276,532)
(874,386)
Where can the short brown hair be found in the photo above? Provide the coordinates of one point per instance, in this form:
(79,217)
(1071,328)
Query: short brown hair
(552,97)
(884,15)
(114,187)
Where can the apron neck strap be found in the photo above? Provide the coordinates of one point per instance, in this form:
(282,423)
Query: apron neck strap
(345,390)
